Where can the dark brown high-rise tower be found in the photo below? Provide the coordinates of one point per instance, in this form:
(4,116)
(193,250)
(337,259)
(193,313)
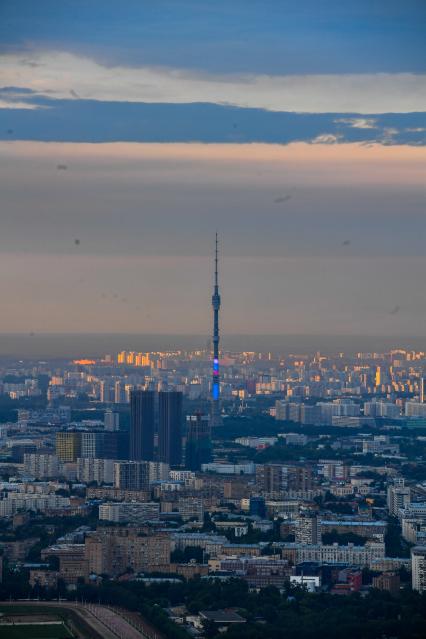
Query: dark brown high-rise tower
(170,427)
(142,423)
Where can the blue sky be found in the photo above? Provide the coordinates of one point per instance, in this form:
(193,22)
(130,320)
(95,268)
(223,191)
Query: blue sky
(256,36)
(297,129)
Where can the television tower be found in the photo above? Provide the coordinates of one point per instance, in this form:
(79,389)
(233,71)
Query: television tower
(216,418)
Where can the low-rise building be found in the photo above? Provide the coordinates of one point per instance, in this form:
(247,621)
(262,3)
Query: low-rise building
(389,581)
(333,554)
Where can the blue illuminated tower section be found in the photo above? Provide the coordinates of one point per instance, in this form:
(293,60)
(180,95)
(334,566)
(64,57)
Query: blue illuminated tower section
(216,375)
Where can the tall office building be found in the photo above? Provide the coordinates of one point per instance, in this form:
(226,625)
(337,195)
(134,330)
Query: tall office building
(142,425)
(68,446)
(198,442)
(92,445)
(170,427)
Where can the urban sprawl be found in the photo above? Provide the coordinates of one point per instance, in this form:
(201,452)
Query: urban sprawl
(312,476)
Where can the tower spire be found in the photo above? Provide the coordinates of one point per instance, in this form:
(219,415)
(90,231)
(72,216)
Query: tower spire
(216,373)
(216,280)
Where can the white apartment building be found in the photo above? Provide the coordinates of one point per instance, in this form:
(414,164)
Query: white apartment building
(42,466)
(418,568)
(111,421)
(398,496)
(129,512)
(14,502)
(91,470)
(334,554)
(415,409)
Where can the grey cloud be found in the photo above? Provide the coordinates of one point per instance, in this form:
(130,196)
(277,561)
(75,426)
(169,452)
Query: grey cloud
(77,120)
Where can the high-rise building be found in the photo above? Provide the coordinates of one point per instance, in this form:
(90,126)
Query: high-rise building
(170,427)
(306,529)
(119,394)
(422,389)
(105,392)
(418,568)
(198,442)
(113,550)
(398,496)
(191,508)
(92,444)
(142,420)
(415,409)
(281,410)
(68,446)
(42,466)
(299,477)
(131,475)
(95,470)
(111,420)
(158,471)
(271,478)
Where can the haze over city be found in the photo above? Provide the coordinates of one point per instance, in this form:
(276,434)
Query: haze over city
(125,144)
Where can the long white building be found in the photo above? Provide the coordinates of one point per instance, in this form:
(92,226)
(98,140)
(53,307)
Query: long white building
(334,554)
(129,512)
(15,502)
(42,466)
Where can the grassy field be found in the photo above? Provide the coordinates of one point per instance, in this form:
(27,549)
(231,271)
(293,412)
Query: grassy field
(31,631)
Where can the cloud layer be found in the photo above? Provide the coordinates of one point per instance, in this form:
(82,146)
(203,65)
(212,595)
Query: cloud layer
(64,75)
(48,119)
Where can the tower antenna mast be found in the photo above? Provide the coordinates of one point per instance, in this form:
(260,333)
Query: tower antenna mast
(216,373)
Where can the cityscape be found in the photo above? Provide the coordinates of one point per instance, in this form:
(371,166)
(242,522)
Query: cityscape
(304,473)
(212,332)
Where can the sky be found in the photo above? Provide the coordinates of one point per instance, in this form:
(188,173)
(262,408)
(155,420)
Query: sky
(131,132)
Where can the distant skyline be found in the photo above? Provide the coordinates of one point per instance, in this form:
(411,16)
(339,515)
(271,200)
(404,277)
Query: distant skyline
(129,135)
(39,346)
